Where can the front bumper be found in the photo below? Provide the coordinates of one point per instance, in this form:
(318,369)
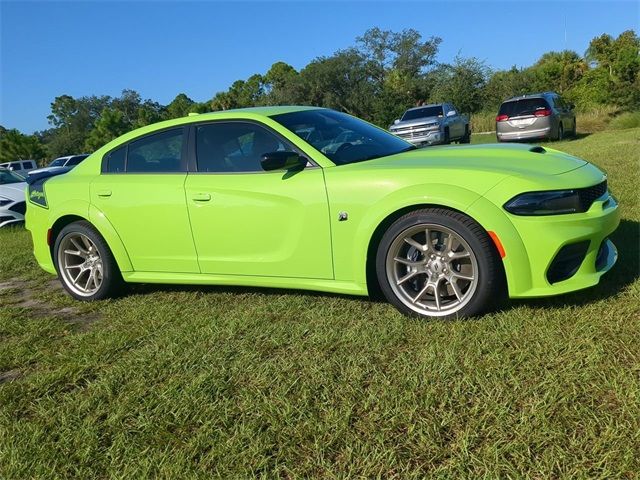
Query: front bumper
(544,238)
(524,134)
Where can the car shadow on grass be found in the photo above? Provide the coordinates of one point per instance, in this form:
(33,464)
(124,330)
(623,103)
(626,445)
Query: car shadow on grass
(626,271)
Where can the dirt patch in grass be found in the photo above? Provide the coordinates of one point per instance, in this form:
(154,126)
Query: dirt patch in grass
(10,375)
(21,293)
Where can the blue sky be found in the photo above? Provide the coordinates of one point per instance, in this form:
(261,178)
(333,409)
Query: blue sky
(162,48)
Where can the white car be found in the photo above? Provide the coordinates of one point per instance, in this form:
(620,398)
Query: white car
(61,162)
(21,167)
(12,198)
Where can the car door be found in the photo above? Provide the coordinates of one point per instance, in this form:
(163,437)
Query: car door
(141,193)
(246,221)
(456,129)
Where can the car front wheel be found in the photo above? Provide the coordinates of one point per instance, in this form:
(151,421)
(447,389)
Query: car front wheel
(439,263)
(84,263)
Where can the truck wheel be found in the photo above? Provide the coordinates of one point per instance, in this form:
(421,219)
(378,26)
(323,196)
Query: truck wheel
(466,138)
(447,138)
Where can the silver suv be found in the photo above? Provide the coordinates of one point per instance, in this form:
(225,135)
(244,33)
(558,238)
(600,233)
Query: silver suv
(536,116)
(432,124)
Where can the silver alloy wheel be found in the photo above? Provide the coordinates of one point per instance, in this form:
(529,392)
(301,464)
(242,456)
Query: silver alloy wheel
(432,270)
(80,264)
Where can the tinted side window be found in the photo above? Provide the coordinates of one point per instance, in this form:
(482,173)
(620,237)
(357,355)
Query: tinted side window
(157,153)
(15,166)
(115,161)
(234,146)
(27,165)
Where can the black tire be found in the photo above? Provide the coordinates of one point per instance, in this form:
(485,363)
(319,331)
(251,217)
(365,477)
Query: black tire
(112,283)
(467,135)
(490,288)
(560,135)
(574,131)
(447,138)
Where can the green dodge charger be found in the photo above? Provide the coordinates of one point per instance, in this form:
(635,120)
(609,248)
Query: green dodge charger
(310,198)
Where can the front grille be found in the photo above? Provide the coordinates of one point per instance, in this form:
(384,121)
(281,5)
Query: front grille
(591,194)
(567,261)
(414,132)
(20,207)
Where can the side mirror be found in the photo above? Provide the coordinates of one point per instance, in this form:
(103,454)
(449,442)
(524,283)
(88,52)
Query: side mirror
(451,113)
(282,161)
(396,121)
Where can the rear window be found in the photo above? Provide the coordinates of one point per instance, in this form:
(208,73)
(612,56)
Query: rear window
(75,160)
(435,111)
(58,162)
(525,106)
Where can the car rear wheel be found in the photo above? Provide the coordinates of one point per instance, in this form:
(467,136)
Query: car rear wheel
(84,263)
(560,132)
(439,263)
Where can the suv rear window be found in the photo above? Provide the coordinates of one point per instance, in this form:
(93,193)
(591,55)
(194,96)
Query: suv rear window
(75,160)
(524,106)
(423,112)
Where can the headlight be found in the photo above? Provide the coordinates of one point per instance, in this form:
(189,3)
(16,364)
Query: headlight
(432,125)
(5,201)
(545,203)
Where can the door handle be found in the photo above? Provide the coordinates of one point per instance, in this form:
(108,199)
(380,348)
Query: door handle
(104,193)
(201,197)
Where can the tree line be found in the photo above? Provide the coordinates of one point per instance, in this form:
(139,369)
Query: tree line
(377,78)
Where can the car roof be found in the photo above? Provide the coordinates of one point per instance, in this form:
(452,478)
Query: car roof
(68,157)
(265,111)
(425,106)
(531,95)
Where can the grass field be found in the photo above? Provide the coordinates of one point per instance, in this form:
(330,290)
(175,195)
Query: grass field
(234,383)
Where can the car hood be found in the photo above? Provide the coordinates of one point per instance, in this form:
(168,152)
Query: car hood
(508,159)
(414,122)
(13,191)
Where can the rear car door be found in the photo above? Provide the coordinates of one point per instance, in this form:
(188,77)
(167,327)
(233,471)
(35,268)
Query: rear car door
(141,193)
(247,221)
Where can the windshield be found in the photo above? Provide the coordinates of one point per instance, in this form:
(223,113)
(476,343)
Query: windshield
(7,177)
(59,162)
(424,112)
(342,138)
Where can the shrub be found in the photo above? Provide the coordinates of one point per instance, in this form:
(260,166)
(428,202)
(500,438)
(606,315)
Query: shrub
(625,120)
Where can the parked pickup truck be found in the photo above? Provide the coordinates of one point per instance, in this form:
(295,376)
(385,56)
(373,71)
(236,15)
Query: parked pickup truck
(432,124)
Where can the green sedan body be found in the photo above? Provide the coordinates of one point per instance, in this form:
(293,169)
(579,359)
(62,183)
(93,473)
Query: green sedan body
(167,203)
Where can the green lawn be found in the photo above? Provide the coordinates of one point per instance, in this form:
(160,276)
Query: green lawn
(200,382)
